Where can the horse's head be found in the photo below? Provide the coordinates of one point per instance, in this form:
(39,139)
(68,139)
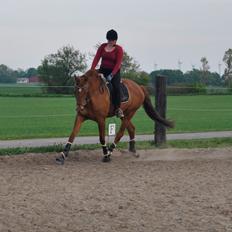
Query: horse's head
(81,91)
(85,86)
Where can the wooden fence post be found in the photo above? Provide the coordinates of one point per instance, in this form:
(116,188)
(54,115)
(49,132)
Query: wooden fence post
(160,105)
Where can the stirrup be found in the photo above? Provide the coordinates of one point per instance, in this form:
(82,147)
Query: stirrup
(119,113)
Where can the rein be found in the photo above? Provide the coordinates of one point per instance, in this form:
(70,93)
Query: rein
(87,99)
(86,87)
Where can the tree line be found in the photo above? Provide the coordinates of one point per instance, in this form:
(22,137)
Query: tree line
(57,70)
(8,75)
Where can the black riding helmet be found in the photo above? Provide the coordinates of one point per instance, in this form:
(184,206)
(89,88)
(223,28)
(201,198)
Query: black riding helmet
(111,35)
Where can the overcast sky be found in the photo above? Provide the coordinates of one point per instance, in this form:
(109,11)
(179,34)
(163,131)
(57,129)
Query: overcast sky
(151,31)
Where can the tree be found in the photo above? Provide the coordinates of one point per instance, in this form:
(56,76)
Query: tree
(205,69)
(57,69)
(228,70)
(31,72)
(190,78)
(7,75)
(195,76)
(140,77)
(173,76)
(129,65)
(130,69)
(20,73)
(205,64)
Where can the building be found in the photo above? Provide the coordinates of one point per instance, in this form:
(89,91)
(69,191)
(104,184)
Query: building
(22,80)
(26,80)
(34,79)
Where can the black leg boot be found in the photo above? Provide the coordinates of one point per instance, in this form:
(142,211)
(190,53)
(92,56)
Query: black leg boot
(64,154)
(106,155)
(132,146)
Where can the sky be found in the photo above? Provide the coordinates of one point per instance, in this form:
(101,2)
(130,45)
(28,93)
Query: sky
(156,33)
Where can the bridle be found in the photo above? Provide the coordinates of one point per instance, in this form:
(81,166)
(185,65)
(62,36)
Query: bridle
(81,105)
(87,98)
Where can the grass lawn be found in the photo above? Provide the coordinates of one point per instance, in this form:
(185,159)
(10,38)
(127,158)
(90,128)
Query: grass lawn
(20,89)
(37,117)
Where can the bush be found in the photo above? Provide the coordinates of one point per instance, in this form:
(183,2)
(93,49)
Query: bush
(212,90)
(183,89)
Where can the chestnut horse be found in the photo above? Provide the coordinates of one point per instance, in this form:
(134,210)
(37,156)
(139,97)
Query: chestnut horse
(93,102)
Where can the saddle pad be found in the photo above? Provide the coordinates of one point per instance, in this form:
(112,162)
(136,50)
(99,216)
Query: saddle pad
(123,92)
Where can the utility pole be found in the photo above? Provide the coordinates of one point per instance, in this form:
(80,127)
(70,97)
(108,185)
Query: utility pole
(179,64)
(155,66)
(219,68)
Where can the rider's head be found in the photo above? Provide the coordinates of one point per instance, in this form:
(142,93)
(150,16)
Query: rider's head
(111,35)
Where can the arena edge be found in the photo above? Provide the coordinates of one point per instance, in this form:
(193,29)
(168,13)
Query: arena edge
(145,145)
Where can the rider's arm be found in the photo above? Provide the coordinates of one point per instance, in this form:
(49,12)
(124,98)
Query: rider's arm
(97,57)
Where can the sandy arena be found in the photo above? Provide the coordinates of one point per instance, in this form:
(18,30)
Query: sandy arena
(162,190)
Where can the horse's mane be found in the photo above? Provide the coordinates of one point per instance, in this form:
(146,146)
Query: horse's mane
(91,72)
(98,76)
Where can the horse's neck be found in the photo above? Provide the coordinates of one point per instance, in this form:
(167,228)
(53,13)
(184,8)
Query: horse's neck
(98,91)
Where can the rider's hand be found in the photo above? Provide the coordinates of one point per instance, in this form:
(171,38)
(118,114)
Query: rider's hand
(109,77)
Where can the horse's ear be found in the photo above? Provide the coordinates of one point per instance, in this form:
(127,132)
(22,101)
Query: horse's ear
(76,79)
(85,77)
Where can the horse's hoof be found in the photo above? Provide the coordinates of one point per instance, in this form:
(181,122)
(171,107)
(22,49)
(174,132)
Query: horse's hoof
(136,155)
(132,150)
(106,159)
(60,160)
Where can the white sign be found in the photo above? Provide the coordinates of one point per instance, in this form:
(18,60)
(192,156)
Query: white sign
(112,129)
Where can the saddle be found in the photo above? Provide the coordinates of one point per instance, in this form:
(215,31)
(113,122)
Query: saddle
(123,92)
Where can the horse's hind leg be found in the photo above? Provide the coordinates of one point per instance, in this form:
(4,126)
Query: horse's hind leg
(131,132)
(125,123)
(76,129)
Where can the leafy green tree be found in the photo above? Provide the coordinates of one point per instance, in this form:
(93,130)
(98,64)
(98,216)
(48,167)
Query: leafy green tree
(7,75)
(205,69)
(173,76)
(57,69)
(140,77)
(31,72)
(195,76)
(205,64)
(129,65)
(20,73)
(228,70)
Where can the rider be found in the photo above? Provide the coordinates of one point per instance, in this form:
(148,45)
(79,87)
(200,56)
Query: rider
(111,55)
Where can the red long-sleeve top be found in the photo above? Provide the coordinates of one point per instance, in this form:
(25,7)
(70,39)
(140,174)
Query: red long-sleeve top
(110,60)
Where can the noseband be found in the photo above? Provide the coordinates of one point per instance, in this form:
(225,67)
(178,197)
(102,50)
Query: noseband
(81,105)
(87,98)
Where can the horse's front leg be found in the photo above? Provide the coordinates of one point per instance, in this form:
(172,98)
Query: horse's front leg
(76,128)
(125,124)
(101,128)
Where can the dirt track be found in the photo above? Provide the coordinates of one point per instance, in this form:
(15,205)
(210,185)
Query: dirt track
(163,190)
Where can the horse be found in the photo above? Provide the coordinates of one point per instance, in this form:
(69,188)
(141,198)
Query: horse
(93,101)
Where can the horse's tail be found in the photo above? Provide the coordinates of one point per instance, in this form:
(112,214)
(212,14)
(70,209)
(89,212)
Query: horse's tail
(152,113)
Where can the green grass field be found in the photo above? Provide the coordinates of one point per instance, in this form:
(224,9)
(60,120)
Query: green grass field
(28,90)
(20,89)
(37,117)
